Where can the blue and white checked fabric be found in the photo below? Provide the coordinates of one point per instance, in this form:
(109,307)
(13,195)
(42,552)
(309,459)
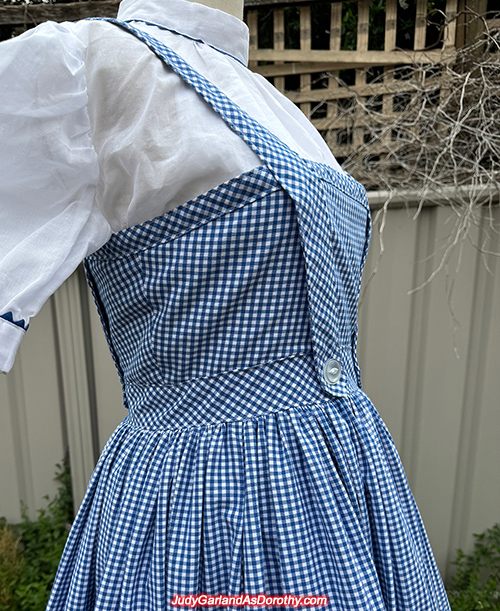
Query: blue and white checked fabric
(239,469)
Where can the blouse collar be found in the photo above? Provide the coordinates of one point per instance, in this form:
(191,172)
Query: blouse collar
(214,27)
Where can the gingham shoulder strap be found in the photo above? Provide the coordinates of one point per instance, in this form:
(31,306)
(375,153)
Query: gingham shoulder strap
(299,179)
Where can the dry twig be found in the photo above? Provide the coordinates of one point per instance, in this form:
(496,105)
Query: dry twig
(440,140)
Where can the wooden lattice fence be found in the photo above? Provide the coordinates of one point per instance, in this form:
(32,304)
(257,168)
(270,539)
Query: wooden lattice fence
(322,54)
(327,55)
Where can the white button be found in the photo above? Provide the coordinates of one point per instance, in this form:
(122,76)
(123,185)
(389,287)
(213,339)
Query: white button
(332,371)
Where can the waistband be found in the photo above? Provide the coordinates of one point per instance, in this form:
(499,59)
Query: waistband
(233,396)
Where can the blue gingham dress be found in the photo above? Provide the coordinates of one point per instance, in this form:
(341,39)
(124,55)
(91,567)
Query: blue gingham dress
(250,461)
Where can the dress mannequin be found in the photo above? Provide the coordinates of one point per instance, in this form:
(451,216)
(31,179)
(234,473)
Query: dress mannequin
(233,7)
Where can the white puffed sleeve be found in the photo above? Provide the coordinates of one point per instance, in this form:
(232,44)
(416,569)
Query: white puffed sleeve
(48,174)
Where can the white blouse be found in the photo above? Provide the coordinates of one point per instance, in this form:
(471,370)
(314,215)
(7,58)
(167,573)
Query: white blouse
(96,135)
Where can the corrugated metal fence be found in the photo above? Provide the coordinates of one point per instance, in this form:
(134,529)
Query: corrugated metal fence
(429,362)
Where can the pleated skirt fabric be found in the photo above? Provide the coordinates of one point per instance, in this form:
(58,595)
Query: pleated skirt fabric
(310,501)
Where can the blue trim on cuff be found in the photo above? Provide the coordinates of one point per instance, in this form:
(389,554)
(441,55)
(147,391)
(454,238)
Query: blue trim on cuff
(20,323)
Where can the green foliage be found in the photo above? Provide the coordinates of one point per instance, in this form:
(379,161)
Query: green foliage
(292,27)
(476,584)
(376,28)
(349,33)
(405,30)
(265,27)
(11,564)
(320,25)
(435,23)
(30,551)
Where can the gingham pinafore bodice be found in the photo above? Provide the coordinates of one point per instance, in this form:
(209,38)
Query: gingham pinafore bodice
(250,460)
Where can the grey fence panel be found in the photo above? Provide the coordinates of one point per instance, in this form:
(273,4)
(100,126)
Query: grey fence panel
(430,362)
(32,436)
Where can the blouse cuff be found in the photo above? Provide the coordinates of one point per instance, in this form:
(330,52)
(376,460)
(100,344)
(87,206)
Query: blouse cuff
(11,335)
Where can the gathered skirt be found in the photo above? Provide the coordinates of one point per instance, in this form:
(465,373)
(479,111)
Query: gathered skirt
(310,500)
